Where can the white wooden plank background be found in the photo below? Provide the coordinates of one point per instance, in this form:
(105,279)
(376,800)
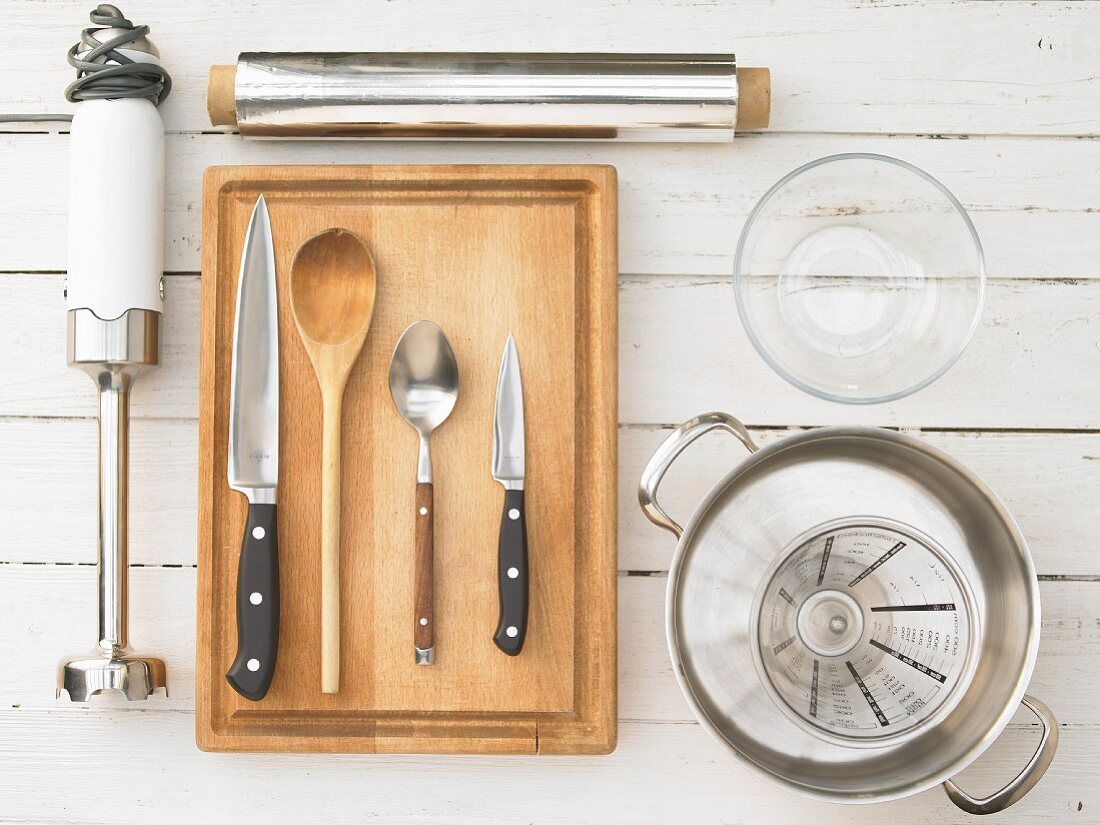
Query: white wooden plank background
(1000,100)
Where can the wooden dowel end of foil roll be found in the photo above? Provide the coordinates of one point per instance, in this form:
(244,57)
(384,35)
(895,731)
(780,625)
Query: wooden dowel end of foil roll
(221,96)
(753,106)
(754,99)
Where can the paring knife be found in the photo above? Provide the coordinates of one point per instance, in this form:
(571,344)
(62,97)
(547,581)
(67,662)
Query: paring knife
(508,469)
(254,458)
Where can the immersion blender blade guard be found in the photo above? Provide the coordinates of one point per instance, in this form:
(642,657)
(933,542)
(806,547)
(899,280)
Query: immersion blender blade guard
(114,300)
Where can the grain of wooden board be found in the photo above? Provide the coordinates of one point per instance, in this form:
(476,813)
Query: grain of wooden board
(1049,483)
(50,608)
(680,206)
(996,98)
(661,774)
(1033,363)
(970,66)
(483,251)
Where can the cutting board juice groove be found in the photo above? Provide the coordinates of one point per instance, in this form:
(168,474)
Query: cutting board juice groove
(483,251)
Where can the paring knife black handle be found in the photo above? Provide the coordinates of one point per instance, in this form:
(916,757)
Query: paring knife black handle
(257,605)
(512,575)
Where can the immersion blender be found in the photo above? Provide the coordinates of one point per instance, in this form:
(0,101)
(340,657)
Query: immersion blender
(114,298)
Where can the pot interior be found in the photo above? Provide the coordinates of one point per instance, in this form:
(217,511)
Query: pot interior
(898,700)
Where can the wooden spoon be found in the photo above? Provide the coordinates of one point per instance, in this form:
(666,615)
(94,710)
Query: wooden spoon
(332,286)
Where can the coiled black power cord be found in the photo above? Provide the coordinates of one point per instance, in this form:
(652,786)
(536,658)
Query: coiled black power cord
(97,78)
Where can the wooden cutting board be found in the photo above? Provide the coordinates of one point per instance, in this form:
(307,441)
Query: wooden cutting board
(482,251)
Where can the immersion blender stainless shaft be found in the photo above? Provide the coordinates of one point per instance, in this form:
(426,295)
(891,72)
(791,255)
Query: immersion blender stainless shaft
(114,482)
(114,455)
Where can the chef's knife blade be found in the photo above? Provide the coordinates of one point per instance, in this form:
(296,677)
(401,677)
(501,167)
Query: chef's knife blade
(509,470)
(254,458)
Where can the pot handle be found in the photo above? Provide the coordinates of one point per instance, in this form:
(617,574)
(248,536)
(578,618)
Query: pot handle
(675,444)
(1033,771)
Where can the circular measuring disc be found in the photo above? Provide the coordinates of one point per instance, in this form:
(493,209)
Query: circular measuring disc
(864,629)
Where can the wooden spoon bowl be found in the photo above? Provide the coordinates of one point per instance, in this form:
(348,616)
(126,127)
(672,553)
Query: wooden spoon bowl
(332,287)
(332,290)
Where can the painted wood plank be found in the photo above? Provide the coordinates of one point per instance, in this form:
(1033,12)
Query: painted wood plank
(1033,363)
(48,489)
(32,341)
(49,613)
(681,207)
(961,67)
(1050,483)
(57,766)
(684,352)
(1068,653)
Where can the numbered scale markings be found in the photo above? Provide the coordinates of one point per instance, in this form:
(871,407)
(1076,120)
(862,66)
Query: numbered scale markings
(865,629)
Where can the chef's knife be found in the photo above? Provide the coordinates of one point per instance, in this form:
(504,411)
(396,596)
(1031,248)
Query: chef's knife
(254,458)
(508,469)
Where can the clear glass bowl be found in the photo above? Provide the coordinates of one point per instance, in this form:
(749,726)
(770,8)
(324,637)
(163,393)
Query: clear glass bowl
(859,278)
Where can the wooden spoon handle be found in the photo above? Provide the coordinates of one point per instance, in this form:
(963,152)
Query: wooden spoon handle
(423,634)
(330,543)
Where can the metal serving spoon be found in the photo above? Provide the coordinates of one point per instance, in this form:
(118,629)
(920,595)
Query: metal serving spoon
(424,387)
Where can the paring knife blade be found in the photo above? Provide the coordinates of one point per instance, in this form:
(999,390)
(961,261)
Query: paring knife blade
(509,469)
(254,458)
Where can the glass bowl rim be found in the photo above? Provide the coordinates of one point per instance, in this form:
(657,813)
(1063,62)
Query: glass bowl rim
(758,344)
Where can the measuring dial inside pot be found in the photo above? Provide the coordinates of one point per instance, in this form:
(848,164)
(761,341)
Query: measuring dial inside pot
(864,629)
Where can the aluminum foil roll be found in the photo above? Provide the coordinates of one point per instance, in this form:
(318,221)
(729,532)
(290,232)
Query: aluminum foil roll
(639,97)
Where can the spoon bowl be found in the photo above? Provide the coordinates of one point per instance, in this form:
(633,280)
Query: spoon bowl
(424,377)
(332,287)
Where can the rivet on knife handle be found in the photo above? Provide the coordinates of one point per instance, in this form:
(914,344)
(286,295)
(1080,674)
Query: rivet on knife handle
(512,575)
(257,605)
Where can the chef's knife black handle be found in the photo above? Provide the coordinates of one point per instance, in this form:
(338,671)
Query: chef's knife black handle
(512,575)
(257,605)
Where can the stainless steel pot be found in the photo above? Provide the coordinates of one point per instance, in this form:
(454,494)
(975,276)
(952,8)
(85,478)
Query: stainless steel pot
(852,613)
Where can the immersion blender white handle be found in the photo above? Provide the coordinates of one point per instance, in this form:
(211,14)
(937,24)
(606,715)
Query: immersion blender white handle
(116,207)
